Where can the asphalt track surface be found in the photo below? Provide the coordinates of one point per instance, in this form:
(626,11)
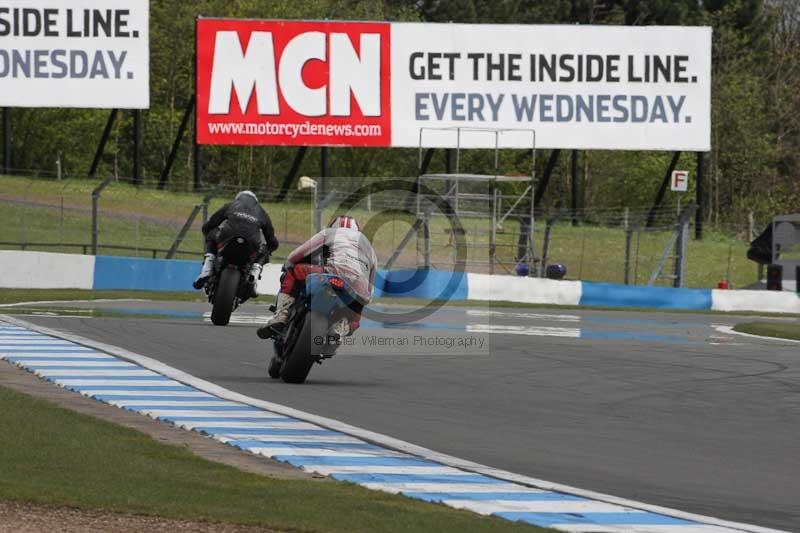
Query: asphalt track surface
(656,407)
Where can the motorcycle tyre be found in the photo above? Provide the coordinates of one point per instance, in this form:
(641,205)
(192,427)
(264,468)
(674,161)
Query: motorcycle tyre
(297,364)
(224,297)
(275,362)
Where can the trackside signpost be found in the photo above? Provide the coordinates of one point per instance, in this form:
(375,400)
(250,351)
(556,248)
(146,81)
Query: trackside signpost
(307,83)
(679,181)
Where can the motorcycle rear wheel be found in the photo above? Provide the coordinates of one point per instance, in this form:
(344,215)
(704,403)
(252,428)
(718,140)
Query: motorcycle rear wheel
(225,296)
(275,362)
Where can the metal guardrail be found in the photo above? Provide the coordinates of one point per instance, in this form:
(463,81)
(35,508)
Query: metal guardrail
(87,247)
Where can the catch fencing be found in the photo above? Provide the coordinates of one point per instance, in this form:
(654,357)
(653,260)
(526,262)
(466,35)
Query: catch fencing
(481,231)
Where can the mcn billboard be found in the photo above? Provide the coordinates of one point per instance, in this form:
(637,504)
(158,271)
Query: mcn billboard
(383,84)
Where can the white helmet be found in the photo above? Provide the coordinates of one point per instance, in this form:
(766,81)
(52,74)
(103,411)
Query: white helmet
(344,221)
(242,194)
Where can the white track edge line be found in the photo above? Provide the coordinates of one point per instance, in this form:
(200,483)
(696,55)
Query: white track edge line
(378,438)
(731,331)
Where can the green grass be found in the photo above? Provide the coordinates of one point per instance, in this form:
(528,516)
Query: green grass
(151,219)
(770,329)
(9,296)
(58,457)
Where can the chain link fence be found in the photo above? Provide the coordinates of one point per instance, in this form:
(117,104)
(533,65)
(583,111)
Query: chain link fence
(479,231)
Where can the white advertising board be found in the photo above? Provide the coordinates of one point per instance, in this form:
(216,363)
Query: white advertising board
(584,87)
(76,53)
(333,83)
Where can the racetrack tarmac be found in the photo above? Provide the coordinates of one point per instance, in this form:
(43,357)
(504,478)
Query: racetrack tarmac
(656,407)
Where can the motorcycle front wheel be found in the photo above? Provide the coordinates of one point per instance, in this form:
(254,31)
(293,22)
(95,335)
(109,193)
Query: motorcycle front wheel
(225,296)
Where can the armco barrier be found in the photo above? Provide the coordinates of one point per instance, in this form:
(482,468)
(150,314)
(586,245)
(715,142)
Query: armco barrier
(49,270)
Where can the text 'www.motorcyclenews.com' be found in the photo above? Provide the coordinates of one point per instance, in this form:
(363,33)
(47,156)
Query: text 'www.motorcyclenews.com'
(294,130)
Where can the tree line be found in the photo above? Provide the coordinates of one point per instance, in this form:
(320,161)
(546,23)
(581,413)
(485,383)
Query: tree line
(753,165)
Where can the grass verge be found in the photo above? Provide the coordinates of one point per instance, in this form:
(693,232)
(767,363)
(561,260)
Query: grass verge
(770,329)
(10,296)
(59,457)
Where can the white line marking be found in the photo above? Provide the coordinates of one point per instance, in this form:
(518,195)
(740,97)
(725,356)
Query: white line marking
(450,487)
(144,394)
(121,373)
(253,425)
(215,417)
(32,357)
(538,331)
(121,382)
(320,452)
(419,470)
(177,405)
(390,442)
(534,316)
(225,437)
(640,528)
(731,331)
(78,364)
(546,506)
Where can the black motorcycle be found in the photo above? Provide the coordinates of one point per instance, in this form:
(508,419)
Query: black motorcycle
(230,285)
(318,321)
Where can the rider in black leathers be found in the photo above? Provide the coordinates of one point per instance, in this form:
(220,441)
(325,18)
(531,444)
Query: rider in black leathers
(246,218)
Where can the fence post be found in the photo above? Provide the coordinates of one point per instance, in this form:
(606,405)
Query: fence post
(6,140)
(493,234)
(95,205)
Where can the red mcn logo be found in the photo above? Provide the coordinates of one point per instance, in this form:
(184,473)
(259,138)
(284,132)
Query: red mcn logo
(285,82)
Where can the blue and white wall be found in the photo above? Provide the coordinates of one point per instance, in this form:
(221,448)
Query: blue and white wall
(42,270)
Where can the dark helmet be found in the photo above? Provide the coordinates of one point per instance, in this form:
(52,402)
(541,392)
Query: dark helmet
(344,221)
(243,194)
(556,271)
(523,269)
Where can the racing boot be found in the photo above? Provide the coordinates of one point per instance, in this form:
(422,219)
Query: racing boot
(277,324)
(205,272)
(255,275)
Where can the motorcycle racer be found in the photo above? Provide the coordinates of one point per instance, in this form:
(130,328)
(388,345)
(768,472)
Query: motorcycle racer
(340,249)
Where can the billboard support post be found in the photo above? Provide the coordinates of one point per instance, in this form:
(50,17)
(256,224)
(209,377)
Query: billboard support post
(196,159)
(651,216)
(698,216)
(292,174)
(323,171)
(112,117)
(162,179)
(575,188)
(137,147)
(548,171)
(6,140)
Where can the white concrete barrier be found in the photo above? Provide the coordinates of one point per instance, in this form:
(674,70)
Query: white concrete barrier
(44,270)
(525,290)
(270,280)
(764,301)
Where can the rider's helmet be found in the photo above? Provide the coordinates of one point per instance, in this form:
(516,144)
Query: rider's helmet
(344,221)
(556,271)
(243,194)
